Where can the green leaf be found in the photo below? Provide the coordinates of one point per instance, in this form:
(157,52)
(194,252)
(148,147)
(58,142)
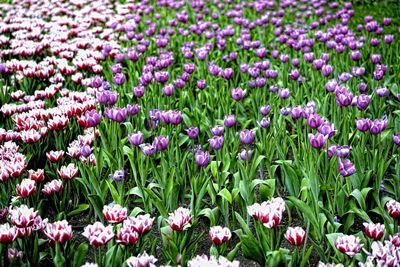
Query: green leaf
(81,208)
(80,254)
(308,214)
(59,260)
(226,195)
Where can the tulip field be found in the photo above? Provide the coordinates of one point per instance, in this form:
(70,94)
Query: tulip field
(199,133)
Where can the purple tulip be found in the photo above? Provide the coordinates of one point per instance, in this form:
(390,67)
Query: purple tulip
(245,154)
(148,149)
(161,76)
(175,117)
(363,101)
(246,136)
(116,114)
(119,78)
(86,151)
(346,167)
(331,85)
(138,91)
(362,87)
(264,123)
(343,151)
(331,150)
(227,73)
(284,93)
(161,142)
(327,70)
(132,110)
(378,126)
(318,140)
(192,132)
(314,120)
(92,118)
(118,175)
(272,74)
(382,92)
(265,110)
(217,130)
(388,38)
(355,55)
(296,112)
(238,94)
(318,64)
(344,98)
(229,121)
(168,90)
(396,138)
(202,158)
(136,139)
(376,58)
(327,129)
(294,74)
(116,68)
(201,84)
(216,142)
(363,125)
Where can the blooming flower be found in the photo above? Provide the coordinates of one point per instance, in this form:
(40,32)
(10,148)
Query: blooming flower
(295,235)
(348,244)
(219,235)
(58,232)
(179,218)
(114,213)
(98,234)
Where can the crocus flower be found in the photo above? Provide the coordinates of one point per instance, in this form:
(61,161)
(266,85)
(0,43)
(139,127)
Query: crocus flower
(264,123)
